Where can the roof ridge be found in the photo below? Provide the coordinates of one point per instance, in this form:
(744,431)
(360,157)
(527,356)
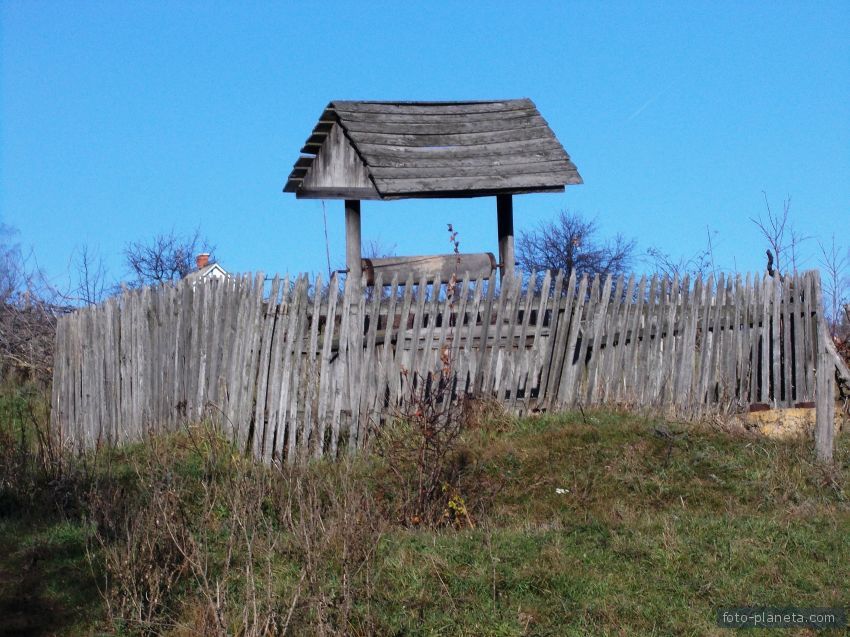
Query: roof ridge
(434,102)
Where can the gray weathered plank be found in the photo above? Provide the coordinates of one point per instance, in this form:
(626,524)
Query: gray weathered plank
(348,117)
(511,154)
(425,108)
(379,153)
(549,343)
(569,374)
(325,372)
(442,127)
(600,320)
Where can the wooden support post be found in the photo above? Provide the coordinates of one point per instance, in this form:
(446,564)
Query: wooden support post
(825,399)
(505,220)
(352,239)
(824,380)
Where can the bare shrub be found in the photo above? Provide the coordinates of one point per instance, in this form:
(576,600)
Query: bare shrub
(415,446)
(145,551)
(422,458)
(34,473)
(335,531)
(430,462)
(197,538)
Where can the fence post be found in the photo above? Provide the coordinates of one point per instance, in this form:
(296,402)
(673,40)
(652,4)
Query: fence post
(825,427)
(825,383)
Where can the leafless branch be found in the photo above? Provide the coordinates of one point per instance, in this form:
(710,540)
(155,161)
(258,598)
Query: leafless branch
(92,286)
(571,242)
(773,229)
(166,257)
(835,263)
(377,249)
(28,310)
(698,265)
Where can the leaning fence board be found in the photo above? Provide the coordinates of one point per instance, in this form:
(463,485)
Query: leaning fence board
(536,353)
(809,333)
(736,356)
(614,378)
(797,319)
(642,364)
(521,359)
(386,358)
(508,317)
(755,339)
(596,340)
(626,384)
(312,370)
(363,406)
(669,339)
(563,389)
(424,366)
(715,365)
(467,371)
(325,372)
(398,356)
(787,357)
(456,333)
(613,331)
(262,378)
(478,379)
(511,319)
(775,351)
(490,360)
(548,344)
(655,367)
(296,390)
(767,300)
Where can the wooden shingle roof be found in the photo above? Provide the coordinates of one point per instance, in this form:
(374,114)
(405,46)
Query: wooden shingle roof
(392,150)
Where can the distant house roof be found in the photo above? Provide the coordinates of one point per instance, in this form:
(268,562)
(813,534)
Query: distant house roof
(210,271)
(392,150)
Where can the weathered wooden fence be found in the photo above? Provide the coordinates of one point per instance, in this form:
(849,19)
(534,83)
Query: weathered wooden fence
(295,368)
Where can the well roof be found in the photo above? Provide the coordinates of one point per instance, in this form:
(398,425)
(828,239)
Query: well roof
(390,150)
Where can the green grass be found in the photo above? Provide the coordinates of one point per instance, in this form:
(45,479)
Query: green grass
(46,584)
(583,525)
(644,541)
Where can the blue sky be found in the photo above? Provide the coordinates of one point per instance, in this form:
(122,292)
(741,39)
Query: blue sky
(124,119)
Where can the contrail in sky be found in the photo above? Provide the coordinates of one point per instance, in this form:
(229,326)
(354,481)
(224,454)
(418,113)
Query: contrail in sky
(643,108)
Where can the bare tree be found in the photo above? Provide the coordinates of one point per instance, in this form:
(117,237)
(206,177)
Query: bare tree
(91,284)
(698,265)
(835,262)
(11,265)
(376,249)
(571,242)
(166,257)
(28,311)
(795,240)
(662,262)
(774,229)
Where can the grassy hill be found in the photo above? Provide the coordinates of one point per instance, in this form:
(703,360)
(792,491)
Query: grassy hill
(601,523)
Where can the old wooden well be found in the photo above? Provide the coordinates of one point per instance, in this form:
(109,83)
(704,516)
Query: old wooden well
(397,150)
